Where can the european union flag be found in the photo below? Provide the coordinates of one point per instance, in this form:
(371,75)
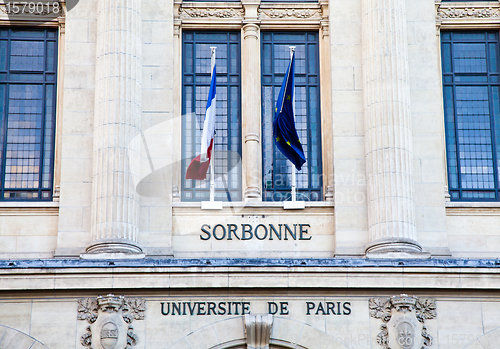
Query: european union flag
(284,132)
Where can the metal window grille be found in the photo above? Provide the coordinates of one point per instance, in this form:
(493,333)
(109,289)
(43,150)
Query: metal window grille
(195,86)
(274,62)
(28,68)
(471,82)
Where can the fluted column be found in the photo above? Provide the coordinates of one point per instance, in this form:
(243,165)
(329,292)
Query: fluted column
(115,203)
(388,134)
(251,113)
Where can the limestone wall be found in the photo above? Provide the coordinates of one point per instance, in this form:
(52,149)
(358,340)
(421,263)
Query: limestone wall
(167,227)
(304,321)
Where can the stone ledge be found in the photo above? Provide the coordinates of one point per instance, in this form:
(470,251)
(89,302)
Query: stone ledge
(244,263)
(241,274)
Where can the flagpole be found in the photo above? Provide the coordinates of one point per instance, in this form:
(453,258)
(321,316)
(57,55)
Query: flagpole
(294,175)
(212,160)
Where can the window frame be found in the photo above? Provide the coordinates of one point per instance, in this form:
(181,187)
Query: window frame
(276,80)
(8,82)
(223,193)
(449,80)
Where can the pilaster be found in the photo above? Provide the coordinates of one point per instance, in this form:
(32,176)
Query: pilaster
(251,112)
(326,102)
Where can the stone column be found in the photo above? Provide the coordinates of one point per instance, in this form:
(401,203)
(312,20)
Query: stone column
(251,112)
(117,119)
(388,134)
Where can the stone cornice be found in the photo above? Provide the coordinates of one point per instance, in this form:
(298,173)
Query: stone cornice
(61,275)
(456,15)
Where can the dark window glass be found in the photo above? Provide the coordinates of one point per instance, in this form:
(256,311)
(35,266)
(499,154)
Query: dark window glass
(471,105)
(195,86)
(28,61)
(276,167)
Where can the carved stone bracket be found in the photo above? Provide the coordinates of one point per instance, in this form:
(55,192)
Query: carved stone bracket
(403,318)
(258,331)
(110,318)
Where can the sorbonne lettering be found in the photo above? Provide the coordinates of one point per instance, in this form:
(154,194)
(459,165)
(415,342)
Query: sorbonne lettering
(259,232)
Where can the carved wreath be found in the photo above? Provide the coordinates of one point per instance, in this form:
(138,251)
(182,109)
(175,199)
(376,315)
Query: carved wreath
(381,308)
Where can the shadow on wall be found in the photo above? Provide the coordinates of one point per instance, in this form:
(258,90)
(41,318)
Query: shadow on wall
(14,339)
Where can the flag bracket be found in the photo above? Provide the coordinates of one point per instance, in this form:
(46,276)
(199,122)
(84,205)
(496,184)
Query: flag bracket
(211,205)
(294,205)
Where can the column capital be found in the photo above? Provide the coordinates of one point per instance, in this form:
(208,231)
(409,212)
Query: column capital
(251,30)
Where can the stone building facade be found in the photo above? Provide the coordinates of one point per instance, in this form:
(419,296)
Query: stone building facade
(394,241)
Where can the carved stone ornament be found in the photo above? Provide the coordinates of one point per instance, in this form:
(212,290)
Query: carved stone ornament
(290,13)
(202,12)
(110,318)
(467,12)
(258,330)
(403,320)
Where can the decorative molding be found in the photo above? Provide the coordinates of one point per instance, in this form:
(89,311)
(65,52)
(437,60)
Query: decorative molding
(467,12)
(401,311)
(204,12)
(462,15)
(176,194)
(290,13)
(57,189)
(252,137)
(329,193)
(258,331)
(110,318)
(471,211)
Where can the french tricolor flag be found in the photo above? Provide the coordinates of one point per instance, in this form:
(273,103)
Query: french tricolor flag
(199,165)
